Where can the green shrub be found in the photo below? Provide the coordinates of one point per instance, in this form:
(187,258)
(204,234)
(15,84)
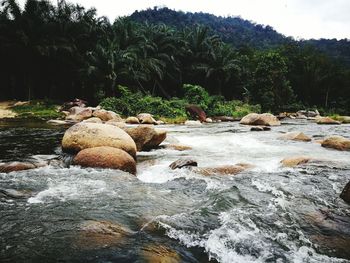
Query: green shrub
(195,94)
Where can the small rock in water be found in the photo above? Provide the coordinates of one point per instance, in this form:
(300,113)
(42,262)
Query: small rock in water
(208,120)
(337,142)
(260,128)
(296,136)
(265,119)
(146,118)
(180,163)
(132,120)
(327,120)
(58,122)
(345,194)
(15,166)
(146,137)
(196,112)
(178,147)
(294,161)
(193,123)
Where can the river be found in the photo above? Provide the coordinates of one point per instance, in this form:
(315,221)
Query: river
(266,214)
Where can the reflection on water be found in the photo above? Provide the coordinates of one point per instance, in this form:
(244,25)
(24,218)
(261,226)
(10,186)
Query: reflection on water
(267,214)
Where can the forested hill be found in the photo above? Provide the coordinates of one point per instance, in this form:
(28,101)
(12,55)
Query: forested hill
(240,32)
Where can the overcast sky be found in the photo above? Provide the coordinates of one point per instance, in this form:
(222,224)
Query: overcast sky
(297,18)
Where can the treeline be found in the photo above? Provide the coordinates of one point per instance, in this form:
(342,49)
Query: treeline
(65,51)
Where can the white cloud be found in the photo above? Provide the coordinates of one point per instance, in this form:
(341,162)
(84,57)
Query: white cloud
(297,18)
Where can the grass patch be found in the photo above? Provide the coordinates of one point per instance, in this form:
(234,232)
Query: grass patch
(38,109)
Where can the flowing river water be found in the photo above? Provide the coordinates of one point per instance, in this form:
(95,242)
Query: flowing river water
(266,214)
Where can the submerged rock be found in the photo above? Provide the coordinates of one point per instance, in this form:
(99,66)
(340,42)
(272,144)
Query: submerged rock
(58,122)
(16,166)
(178,147)
(296,160)
(326,120)
(132,120)
(146,118)
(88,135)
(146,137)
(337,142)
(106,157)
(345,194)
(196,112)
(181,163)
(296,136)
(222,170)
(159,254)
(100,234)
(16,194)
(265,119)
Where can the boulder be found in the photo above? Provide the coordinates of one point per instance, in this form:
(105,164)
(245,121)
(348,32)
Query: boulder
(265,119)
(295,136)
(79,114)
(308,114)
(101,234)
(146,118)
(118,124)
(208,120)
(160,122)
(295,161)
(222,170)
(106,157)
(337,142)
(196,112)
(132,120)
(93,120)
(159,254)
(106,115)
(193,123)
(178,147)
(146,136)
(88,135)
(16,166)
(327,120)
(345,194)
(76,102)
(184,162)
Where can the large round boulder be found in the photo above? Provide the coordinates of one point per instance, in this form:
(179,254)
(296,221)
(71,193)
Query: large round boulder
(295,136)
(146,136)
(337,142)
(106,115)
(265,119)
(88,135)
(106,157)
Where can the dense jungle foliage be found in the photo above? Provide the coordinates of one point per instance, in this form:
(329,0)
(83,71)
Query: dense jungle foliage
(65,51)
